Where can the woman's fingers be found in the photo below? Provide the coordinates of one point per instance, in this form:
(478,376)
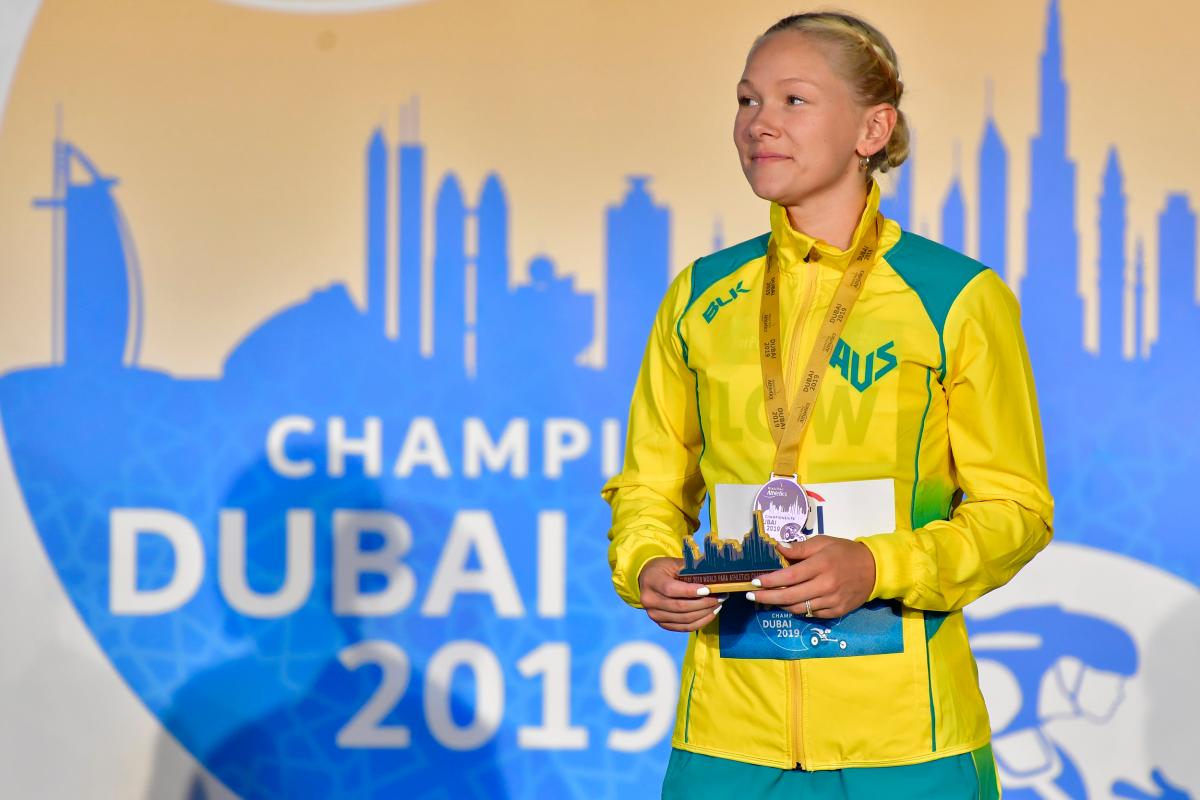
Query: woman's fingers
(669,586)
(683,618)
(792,575)
(684,624)
(676,605)
(824,601)
(832,578)
(817,608)
(695,626)
(660,576)
(792,595)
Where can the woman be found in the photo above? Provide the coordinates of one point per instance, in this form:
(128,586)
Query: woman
(848,673)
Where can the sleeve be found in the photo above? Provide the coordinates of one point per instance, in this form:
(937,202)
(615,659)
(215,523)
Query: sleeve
(656,498)
(998,459)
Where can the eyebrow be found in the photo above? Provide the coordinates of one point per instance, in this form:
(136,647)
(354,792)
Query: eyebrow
(782,80)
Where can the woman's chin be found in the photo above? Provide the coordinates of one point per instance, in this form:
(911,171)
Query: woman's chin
(771,192)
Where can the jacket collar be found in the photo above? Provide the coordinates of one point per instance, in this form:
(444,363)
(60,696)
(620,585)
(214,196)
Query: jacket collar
(793,245)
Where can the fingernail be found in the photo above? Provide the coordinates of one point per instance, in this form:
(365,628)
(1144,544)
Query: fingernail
(757,582)
(750,596)
(717,610)
(722,598)
(702,591)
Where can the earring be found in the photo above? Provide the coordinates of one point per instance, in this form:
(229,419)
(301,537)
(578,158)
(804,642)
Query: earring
(864,162)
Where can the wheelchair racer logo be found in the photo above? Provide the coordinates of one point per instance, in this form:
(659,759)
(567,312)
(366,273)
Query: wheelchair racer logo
(1065,686)
(818,636)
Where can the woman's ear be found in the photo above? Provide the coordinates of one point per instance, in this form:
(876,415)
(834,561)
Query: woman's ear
(878,123)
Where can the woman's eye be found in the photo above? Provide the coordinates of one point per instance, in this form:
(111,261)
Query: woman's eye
(745,101)
(793,100)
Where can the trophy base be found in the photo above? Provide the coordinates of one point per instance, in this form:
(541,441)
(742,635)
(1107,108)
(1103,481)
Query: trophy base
(722,588)
(720,582)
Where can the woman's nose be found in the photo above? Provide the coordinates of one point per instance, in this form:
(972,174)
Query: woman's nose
(763,124)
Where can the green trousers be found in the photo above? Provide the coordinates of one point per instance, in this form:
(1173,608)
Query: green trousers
(969,776)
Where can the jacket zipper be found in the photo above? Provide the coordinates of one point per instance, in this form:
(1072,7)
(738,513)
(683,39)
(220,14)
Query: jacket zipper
(796,678)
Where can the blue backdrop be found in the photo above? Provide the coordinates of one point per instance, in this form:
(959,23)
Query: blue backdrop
(472,625)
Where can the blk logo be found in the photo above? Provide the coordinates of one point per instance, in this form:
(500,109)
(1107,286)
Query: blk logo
(716,305)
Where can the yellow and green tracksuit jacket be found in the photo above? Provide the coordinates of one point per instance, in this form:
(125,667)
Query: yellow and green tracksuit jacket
(930,387)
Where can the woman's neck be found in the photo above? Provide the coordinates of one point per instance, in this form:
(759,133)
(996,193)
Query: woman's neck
(832,215)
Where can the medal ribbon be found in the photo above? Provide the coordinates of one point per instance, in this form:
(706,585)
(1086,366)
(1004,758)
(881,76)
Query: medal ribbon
(788,425)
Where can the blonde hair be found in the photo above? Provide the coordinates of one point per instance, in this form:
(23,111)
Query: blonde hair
(865,59)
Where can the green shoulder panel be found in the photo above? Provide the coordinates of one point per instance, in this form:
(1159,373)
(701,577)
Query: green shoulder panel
(712,268)
(936,273)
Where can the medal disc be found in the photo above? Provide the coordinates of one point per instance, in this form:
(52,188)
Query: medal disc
(785,509)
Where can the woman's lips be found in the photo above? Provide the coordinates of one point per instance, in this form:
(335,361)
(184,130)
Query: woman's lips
(769,157)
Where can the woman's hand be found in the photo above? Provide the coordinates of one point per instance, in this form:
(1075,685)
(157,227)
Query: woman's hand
(673,604)
(834,575)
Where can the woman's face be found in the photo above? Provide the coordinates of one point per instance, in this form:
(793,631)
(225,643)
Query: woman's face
(798,122)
